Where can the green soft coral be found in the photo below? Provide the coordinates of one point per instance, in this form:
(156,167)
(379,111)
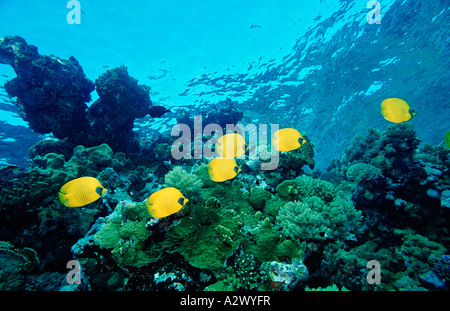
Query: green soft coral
(308,186)
(189,184)
(363,172)
(298,221)
(305,186)
(314,219)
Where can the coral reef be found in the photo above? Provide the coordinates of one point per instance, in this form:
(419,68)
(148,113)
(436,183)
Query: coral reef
(307,232)
(304,233)
(36,219)
(396,186)
(286,229)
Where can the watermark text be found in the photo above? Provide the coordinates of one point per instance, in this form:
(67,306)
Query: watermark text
(74,15)
(374,15)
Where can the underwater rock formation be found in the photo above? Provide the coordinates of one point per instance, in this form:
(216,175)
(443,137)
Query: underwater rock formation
(111,117)
(52,94)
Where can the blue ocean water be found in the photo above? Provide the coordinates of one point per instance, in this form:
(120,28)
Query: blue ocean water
(173,42)
(202,53)
(322,67)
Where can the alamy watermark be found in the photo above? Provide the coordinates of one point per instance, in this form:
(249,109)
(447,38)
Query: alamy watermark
(374,15)
(74,15)
(374,275)
(74,275)
(257,141)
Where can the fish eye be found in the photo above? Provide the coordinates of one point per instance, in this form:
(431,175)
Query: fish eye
(181,201)
(236,169)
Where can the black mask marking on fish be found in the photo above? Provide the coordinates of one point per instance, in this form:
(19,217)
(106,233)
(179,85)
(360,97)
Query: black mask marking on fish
(99,191)
(181,201)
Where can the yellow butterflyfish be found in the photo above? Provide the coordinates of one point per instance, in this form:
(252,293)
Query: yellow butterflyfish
(165,202)
(231,146)
(81,191)
(222,169)
(396,110)
(287,139)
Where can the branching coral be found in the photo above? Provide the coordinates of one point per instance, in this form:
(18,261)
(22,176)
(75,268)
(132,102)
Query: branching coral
(298,221)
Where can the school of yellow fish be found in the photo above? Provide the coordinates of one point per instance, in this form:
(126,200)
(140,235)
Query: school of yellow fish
(167,201)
